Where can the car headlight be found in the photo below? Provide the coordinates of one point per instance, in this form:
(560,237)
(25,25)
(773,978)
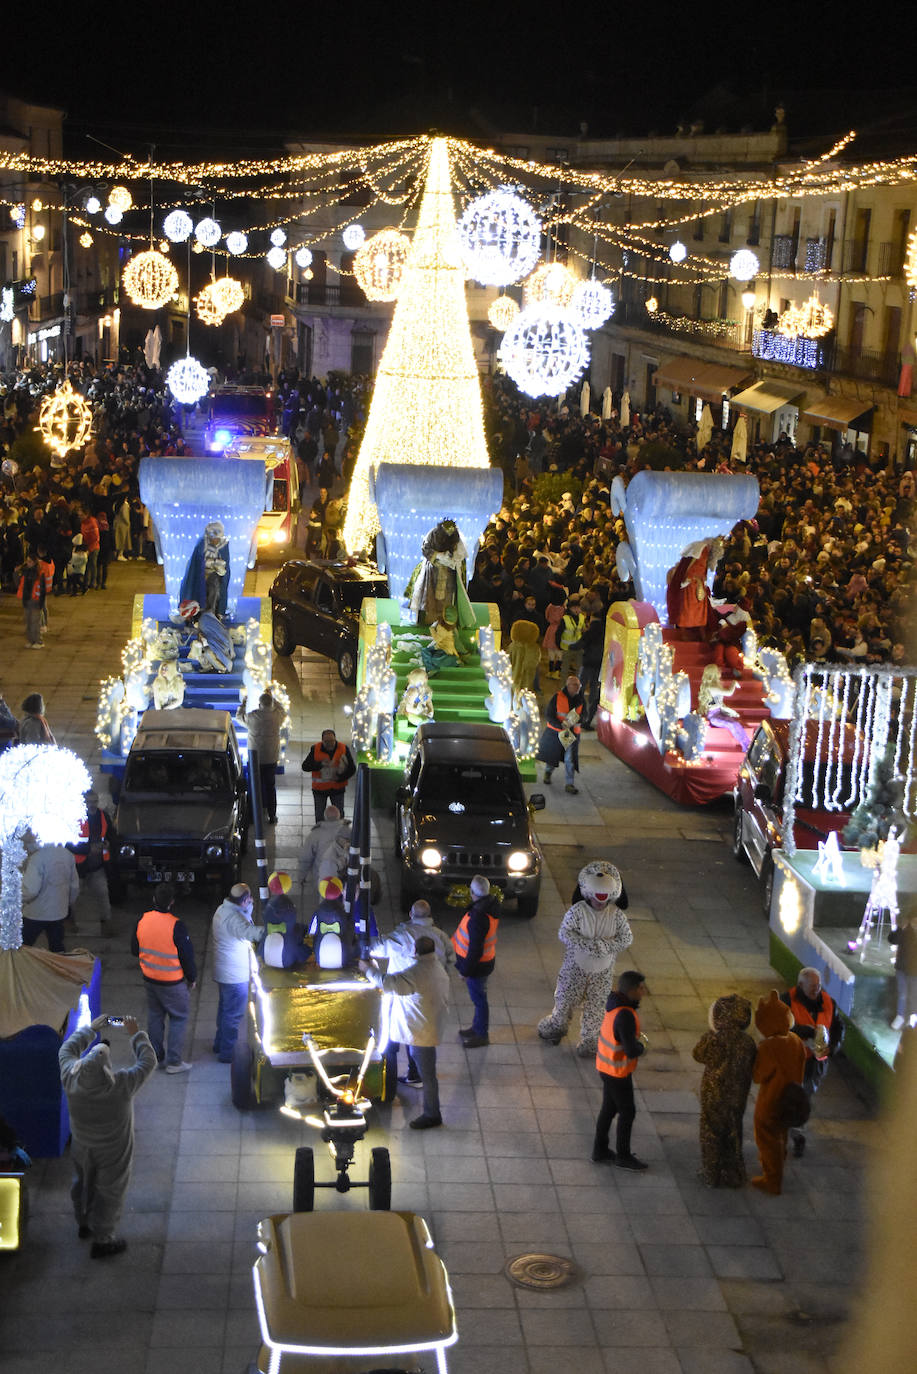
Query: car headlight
(280,536)
(127,851)
(264,537)
(431,858)
(214,851)
(519,861)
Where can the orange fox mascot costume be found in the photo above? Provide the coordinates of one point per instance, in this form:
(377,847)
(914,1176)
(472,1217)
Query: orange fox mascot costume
(781,1060)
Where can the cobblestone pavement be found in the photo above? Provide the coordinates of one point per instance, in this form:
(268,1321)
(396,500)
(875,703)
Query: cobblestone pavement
(674,1277)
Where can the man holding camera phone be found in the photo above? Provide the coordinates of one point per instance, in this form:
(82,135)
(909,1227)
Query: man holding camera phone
(101,1103)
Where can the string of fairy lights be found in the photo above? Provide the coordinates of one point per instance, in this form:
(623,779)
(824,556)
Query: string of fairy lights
(521,220)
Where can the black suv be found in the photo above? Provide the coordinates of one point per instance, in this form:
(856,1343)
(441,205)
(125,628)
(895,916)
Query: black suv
(182,811)
(461,811)
(317,605)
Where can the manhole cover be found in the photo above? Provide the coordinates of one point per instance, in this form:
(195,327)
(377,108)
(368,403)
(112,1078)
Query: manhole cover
(542,1271)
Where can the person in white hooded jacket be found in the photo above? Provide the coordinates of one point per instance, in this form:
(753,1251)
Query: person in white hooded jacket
(101,1105)
(233,932)
(417,1012)
(593,933)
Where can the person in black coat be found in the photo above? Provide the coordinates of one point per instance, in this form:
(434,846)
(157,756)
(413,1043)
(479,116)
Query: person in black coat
(475,945)
(591,644)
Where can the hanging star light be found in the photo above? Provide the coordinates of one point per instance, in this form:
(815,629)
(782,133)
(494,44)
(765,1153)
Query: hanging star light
(150,279)
(86,239)
(379,264)
(120,197)
(236,242)
(499,237)
(208,307)
(64,420)
(591,304)
(549,284)
(228,294)
(177,226)
(353,236)
(114,214)
(651,305)
(744,265)
(277,257)
(503,311)
(208,232)
(677,251)
(304,257)
(544,350)
(188,381)
(278,237)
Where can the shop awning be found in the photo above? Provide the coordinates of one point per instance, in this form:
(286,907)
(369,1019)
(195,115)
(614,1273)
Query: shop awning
(768,396)
(710,381)
(907,415)
(837,412)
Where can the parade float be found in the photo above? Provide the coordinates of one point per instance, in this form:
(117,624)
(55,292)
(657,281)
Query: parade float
(684,682)
(201,643)
(837,894)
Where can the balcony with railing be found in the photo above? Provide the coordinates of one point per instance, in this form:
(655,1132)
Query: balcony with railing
(719,332)
(891,259)
(784,248)
(816,255)
(772,347)
(867,364)
(856,256)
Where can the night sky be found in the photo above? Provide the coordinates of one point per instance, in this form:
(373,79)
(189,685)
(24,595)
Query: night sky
(197,79)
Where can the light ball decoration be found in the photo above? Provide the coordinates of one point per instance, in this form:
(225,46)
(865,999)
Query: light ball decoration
(150,279)
(93,205)
(114,214)
(744,265)
(544,351)
(591,304)
(278,237)
(651,305)
(208,232)
(208,306)
(236,242)
(120,197)
(228,294)
(677,251)
(549,284)
(177,226)
(277,258)
(188,381)
(64,420)
(499,238)
(354,236)
(502,313)
(303,257)
(308,274)
(86,239)
(379,264)
(38,232)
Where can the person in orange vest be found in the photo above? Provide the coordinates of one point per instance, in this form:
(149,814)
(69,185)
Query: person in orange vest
(620,1046)
(475,945)
(560,738)
(166,956)
(331,763)
(93,855)
(820,1027)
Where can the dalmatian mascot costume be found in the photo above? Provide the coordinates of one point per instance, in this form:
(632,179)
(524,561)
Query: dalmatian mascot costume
(593,933)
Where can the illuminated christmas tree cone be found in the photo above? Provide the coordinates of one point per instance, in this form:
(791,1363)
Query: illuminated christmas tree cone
(426,406)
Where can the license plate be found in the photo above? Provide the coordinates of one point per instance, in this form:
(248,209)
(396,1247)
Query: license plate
(182,876)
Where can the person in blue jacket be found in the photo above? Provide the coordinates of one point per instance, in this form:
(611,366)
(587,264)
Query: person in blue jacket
(206,578)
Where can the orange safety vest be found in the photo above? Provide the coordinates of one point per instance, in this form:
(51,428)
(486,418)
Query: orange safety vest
(803,1017)
(460,941)
(320,784)
(563,709)
(610,1056)
(159,959)
(84,839)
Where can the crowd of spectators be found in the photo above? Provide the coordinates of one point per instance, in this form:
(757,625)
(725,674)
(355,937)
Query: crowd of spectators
(824,570)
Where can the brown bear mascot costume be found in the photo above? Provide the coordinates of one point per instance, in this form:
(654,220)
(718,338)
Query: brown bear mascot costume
(780,1062)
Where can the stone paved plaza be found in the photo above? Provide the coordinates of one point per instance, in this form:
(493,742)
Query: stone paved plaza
(676,1278)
